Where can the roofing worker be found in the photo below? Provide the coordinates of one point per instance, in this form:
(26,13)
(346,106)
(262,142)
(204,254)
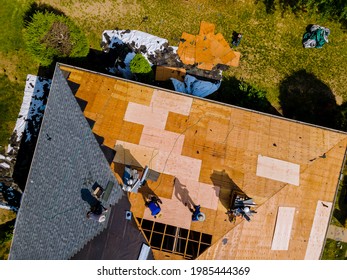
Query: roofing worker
(237,39)
(197,215)
(97,213)
(153,205)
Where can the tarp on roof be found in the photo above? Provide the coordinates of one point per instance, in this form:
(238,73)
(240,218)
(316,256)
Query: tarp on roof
(315,37)
(196,87)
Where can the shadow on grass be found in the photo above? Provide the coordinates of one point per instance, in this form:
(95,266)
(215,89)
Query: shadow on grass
(239,93)
(6,231)
(269,6)
(304,97)
(96,60)
(40,7)
(340,214)
(283,5)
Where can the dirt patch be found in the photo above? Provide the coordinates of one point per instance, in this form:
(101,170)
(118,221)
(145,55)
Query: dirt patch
(58,38)
(8,66)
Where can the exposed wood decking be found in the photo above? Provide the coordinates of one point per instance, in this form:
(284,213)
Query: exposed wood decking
(212,150)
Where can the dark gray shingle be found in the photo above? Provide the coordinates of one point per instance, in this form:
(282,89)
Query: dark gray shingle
(52,223)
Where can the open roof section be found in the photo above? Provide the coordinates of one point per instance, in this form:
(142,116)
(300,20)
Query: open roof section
(52,222)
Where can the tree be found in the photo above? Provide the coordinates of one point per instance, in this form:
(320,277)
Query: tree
(49,36)
(333,8)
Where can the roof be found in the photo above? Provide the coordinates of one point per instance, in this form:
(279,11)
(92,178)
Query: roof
(206,49)
(207,152)
(68,161)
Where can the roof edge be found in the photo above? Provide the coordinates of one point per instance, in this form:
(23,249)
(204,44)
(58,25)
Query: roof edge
(31,164)
(201,98)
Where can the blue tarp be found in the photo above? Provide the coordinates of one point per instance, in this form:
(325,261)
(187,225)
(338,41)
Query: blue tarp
(194,86)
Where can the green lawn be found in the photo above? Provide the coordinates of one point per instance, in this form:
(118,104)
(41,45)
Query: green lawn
(271,46)
(15,64)
(5,250)
(5,218)
(334,250)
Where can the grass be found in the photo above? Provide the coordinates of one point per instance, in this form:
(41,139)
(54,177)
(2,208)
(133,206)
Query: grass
(271,45)
(15,64)
(5,250)
(11,94)
(6,217)
(334,250)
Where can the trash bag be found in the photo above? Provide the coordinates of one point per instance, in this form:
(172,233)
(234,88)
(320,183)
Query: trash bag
(315,37)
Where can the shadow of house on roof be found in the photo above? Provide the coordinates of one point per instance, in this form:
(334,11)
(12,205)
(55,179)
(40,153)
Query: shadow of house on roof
(52,223)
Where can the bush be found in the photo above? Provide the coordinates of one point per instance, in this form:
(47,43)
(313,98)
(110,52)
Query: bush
(49,36)
(141,69)
(333,8)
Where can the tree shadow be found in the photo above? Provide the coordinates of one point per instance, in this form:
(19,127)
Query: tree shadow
(40,7)
(284,5)
(6,230)
(236,92)
(304,97)
(269,6)
(228,188)
(96,61)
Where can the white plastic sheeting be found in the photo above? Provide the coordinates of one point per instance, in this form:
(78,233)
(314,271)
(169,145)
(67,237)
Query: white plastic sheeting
(32,105)
(146,43)
(138,38)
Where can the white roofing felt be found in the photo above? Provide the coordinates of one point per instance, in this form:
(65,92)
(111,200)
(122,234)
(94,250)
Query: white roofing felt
(32,105)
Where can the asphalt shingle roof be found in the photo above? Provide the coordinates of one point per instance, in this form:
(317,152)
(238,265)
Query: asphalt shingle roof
(52,223)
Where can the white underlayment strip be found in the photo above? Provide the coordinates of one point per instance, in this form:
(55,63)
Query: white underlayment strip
(318,230)
(278,170)
(283,228)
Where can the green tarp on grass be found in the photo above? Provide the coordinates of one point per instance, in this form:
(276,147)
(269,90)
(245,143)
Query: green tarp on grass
(315,37)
